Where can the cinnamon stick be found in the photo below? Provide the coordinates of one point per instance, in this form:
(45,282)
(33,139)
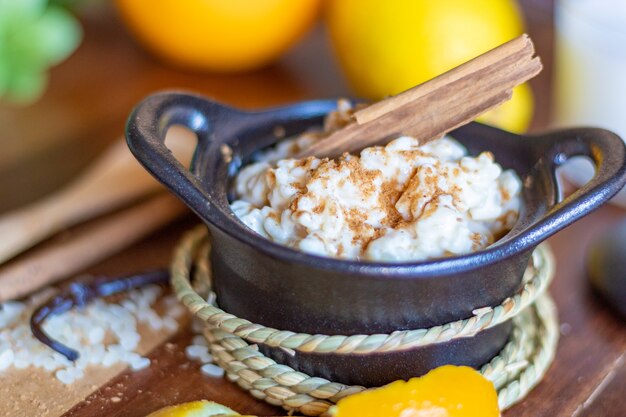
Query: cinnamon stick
(432,109)
(512,47)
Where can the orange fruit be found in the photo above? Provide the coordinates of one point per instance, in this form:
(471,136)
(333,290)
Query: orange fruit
(218,35)
(448,391)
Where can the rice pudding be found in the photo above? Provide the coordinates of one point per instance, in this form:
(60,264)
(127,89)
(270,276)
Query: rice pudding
(395,203)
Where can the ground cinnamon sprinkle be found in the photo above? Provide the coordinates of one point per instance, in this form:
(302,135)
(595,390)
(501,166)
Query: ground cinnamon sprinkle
(505,194)
(363,179)
(505,218)
(300,187)
(356,220)
(388,197)
(477,239)
(413,153)
(390,203)
(430,207)
(274,216)
(319,209)
(270,178)
(421,190)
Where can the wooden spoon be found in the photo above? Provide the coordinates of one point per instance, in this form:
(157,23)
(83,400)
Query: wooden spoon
(111,182)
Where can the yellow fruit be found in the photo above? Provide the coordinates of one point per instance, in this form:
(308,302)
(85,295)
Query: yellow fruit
(514,115)
(195,409)
(386,47)
(448,391)
(219,35)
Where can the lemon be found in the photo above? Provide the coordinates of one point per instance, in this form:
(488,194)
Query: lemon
(196,409)
(386,47)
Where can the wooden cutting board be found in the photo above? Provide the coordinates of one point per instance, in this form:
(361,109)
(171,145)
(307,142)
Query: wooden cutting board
(588,374)
(33,391)
(118,391)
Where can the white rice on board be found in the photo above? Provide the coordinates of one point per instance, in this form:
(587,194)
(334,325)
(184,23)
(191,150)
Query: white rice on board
(104,334)
(198,350)
(212,370)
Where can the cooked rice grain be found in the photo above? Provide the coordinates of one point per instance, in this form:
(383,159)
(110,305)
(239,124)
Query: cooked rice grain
(104,334)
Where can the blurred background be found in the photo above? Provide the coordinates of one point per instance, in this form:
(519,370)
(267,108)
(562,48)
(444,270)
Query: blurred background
(70,71)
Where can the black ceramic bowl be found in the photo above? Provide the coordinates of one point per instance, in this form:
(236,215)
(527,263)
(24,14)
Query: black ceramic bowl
(282,288)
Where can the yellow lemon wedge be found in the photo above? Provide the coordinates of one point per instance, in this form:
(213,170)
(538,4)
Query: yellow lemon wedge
(448,391)
(195,409)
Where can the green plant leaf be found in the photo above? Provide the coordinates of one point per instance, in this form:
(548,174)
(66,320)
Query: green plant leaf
(59,34)
(22,9)
(33,36)
(27,86)
(4,77)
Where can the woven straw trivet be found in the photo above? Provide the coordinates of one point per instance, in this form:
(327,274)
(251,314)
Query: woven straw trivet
(519,366)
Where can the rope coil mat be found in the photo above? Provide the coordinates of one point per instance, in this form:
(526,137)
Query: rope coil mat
(233,341)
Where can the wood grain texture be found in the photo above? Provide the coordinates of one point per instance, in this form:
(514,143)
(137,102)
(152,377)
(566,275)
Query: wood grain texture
(85,109)
(36,392)
(607,399)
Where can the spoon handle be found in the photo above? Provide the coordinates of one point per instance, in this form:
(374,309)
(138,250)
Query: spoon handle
(95,242)
(114,180)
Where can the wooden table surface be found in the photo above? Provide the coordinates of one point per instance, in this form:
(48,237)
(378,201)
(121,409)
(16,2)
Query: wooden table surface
(90,95)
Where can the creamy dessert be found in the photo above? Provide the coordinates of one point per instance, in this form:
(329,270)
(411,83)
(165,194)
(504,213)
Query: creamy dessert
(399,202)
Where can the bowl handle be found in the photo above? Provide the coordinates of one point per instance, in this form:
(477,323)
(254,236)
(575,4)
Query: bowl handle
(608,154)
(147,126)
